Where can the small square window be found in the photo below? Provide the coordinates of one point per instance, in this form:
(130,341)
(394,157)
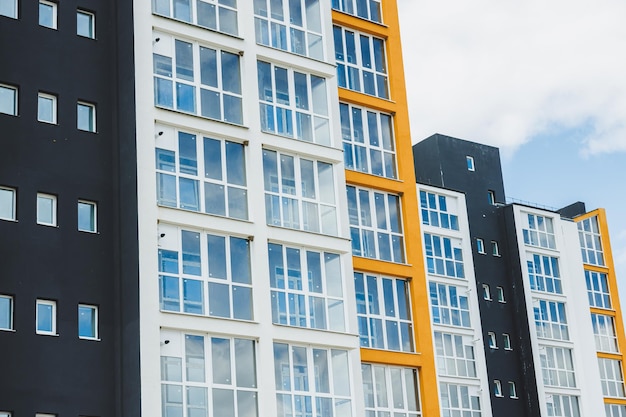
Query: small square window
(86,117)
(8,8)
(85,24)
(491,339)
(6,314)
(470,163)
(8,99)
(506,341)
(480,245)
(87,321)
(497,388)
(47,108)
(495,249)
(491,197)
(486,292)
(87,221)
(512,390)
(500,293)
(7,203)
(46,210)
(47,14)
(46,317)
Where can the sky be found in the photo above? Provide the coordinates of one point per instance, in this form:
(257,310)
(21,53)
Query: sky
(543,81)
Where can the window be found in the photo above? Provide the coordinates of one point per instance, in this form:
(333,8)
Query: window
(45,415)
(507,341)
(86,117)
(46,317)
(459,400)
(219,15)
(562,405)
(500,293)
(7,203)
(299,193)
(368,142)
(4,413)
(293,25)
(604,333)
(196,79)
(201,174)
(455,355)
(444,256)
(312,381)
(366,9)
(497,388)
(550,320)
(361,62)
(448,306)
(47,108)
(383,312)
(544,275)
(598,289)
(495,249)
(557,366)
(486,292)
(87,321)
(47,14)
(87,216)
(480,246)
(220,264)
(201,372)
(46,209)
(612,410)
(611,377)
(8,8)
(390,390)
(540,232)
(85,24)
(8,99)
(293,104)
(315,301)
(491,197)
(512,390)
(491,340)
(375,224)
(470,163)
(6,313)
(435,210)
(590,241)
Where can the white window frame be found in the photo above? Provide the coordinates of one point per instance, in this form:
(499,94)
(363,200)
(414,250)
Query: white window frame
(486,292)
(612,410)
(557,404)
(92,23)
(491,197)
(95,318)
(92,113)
(544,279)
(167,8)
(491,340)
(53,304)
(591,241)
(11,301)
(500,294)
(480,246)
(11,111)
(55,10)
(348,7)
(512,390)
(440,260)
(539,231)
(469,160)
(495,248)
(611,378)
(53,200)
(5,413)
(53,100)
(455,355)
(93,213)
(553,374)
(604,333)
(12,192)
(550,320)
(497,388)
(11,11)
(435,212)
(598,290)
(45,415)
(443,311)
(506,341)
(380,381)
(452,403)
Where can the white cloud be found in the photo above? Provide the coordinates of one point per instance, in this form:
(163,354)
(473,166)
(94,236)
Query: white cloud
(501,72)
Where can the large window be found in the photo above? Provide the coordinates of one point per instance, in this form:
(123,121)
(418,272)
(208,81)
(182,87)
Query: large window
(46,209)
(444,256)
(361,62)
(598,289)
(87,321)
(449,306)
(8,97)
(544,275)
(557,366)
(7,203)
(307,288)
(590,241)
(375,224)
(366,9)
(455,355)
(219,15)
(384,312)
(290,25)
(202,174)
(205,375)
(611,377)
(293,103)
(201,264)
(390,390)
(312,381)
(562,405)
(604,333)
(539,232)
(46,317)
(435,211)
(6,312)
(299,193)
(457,400)
(550,320)
(368,143)
(612,410)
(197,79)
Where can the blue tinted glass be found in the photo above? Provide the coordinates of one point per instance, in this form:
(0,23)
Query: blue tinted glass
(5,312)
(191,253)
(185,97)
(187,153)
(189,194)
(240,260)
(169,293)
(242,303)
(168,261)
(44,317)
(217,256)
(192,296)
(86,321)
(219,300)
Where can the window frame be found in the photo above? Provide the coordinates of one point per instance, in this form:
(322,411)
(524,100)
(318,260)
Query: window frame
(506,341)
(480,246)
(563,402)
(13,15)
(469,160)
(491,197)
(512,390)
(460,392)
(434,211)
(92,23)
(91,107)
(13,203)
(551,320)
(552,374)
(604,333)
(447,347)
(93,216)
(53,318)
(94,327)
(441,307)
(55,11)
(539,232)
(194,15)
(491,340)
(497,388)
(598,290)
(53,214)
(444,256)
(500,294)
(590,239)
(10,311)
(486,292)
(53,110)
(495,249)
(348,7)
(542,280)
(612,377)
(393,378)
(15,90)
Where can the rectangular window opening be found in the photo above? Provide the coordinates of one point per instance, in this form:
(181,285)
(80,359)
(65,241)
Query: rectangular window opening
(86,117)
(48,14)
(87,216)
(8,99)
(87,322)
(46,317)
(46,209)
(6,313)
(85,24)
(47,108)
(470,163)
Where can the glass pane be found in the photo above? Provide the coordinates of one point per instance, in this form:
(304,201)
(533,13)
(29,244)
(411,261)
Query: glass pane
(221,361)
(217,256)
(245,363)
(219,300)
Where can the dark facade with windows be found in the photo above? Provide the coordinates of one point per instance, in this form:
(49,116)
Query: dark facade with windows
(68,234)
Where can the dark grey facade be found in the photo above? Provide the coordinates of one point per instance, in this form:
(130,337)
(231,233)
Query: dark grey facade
(441,161)
(62,374)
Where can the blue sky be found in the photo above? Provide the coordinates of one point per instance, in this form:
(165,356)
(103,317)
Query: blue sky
(543,81)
